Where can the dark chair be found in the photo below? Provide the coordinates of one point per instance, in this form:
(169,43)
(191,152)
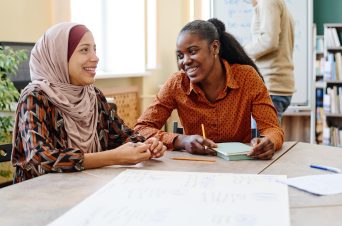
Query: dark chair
(5,158)
(177,129)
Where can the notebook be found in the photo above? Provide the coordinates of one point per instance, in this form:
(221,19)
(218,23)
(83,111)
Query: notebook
(233,151)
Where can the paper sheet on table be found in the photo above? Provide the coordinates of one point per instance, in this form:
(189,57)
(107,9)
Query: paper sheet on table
(322,184)
(155,198)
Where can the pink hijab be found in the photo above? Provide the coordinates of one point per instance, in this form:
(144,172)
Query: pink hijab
(49,73)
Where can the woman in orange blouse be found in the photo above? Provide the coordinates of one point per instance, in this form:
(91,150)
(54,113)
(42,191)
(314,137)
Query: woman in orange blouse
(217,85)
(63,122)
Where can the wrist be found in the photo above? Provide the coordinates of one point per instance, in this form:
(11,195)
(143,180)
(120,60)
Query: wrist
(100,159)
(178,142)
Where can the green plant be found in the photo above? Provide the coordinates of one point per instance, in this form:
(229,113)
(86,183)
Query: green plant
(9,62)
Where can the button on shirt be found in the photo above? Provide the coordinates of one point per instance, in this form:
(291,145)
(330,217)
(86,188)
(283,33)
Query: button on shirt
(226,119)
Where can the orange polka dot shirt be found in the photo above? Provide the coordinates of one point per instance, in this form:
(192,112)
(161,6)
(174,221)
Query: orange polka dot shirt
(227,119)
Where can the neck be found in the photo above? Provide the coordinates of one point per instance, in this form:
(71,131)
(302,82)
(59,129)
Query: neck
(216,77)
(215,82)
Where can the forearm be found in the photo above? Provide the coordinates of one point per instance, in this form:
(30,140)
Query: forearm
(100,159)
(266,33)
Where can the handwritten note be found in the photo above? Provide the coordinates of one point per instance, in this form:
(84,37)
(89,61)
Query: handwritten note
(154,198)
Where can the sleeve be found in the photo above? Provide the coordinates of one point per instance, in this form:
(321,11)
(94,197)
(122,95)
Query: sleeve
(155,116)
(267,39)
(265,113)
(35,152)
(118,132)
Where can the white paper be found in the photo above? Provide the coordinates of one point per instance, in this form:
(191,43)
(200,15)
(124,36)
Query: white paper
(163,198)
(322,184)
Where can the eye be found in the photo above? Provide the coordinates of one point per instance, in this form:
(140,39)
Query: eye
(84,50)
(193,51)
(180,56)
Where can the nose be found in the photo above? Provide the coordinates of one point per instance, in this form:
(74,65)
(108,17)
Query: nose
(187,59)
(94,57)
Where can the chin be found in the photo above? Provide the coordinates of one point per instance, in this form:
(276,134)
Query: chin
(89,82)
(195,79)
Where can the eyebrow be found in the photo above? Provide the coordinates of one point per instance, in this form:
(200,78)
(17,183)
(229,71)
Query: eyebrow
(193,46)
(85,44)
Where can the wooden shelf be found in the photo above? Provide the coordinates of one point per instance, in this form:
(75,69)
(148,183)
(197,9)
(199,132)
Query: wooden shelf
(334,49)
(329,83)
(333,115)
(320,85)
(300,113)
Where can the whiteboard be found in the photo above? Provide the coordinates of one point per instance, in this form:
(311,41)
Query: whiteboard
(237,16)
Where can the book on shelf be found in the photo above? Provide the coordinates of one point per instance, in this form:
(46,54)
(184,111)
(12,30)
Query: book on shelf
(332,100)
(331,36)
(326,136)
(329,68)
(327,103)
(233,151)
(319,44)
(338,65)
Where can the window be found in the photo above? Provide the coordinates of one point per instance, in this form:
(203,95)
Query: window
(119,31)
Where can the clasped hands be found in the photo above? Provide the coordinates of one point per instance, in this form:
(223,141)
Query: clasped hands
(262,148)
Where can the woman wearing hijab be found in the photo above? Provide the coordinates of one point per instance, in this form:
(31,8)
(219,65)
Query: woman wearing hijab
(63,123)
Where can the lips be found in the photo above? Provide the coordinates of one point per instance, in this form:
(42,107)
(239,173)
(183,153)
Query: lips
(91,70)
(191,70)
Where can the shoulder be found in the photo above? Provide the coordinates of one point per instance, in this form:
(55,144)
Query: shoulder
(35,98)
(246,76)
(242,71)
(38,103)
(270,3)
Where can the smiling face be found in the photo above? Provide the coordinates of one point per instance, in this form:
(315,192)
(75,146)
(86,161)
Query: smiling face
(195,56)
(83,62)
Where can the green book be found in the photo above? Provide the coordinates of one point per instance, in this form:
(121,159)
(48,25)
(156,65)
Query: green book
(233,151)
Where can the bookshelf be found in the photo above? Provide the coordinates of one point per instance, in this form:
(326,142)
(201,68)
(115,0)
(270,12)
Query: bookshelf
(330,65)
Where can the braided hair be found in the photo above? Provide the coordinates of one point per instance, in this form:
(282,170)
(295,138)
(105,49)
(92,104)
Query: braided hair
(230,48)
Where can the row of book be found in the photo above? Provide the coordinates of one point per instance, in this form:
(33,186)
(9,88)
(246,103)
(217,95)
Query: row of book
(332,38)
(332,136)
(331,68)
(332,100)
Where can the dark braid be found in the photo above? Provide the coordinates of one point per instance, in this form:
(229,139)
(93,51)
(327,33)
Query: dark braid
(230,49)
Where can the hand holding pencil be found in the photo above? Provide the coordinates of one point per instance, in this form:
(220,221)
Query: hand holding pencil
(196,144)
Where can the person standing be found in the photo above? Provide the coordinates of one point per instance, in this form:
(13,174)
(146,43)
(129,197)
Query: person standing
(272,47)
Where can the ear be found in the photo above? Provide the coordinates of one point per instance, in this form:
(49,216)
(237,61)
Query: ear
(215,47)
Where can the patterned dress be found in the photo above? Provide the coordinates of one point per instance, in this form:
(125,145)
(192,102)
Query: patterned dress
(40,145)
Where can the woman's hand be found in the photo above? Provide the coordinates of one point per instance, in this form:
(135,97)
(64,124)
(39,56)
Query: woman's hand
(132,153)
(157,147)
(126,154)
(263,148)
(195,144)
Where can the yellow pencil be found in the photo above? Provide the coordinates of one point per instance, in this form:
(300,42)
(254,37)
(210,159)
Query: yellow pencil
(193,159)
(203,131)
